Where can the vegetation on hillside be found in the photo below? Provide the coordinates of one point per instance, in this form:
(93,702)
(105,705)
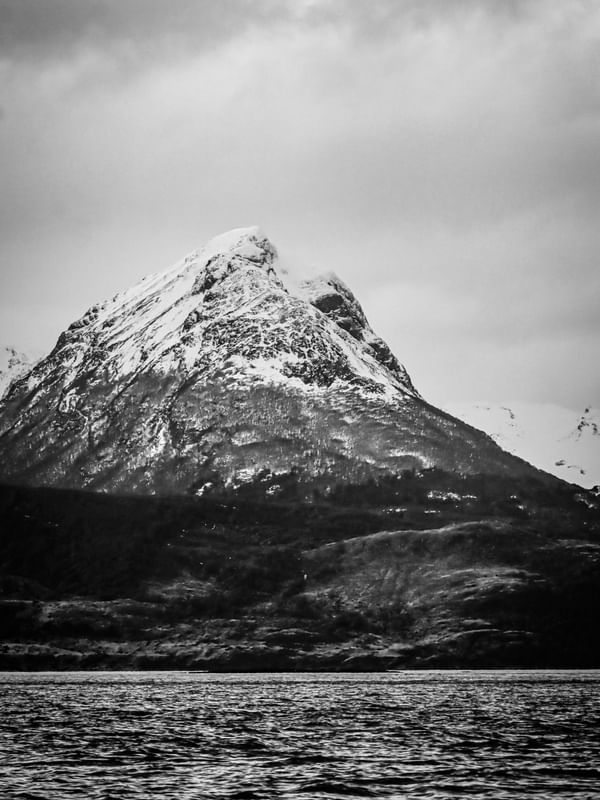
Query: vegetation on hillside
(271,569)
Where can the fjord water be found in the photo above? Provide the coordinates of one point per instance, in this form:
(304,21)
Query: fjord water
(390,735)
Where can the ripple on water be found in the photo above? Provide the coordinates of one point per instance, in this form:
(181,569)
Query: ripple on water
(106,736)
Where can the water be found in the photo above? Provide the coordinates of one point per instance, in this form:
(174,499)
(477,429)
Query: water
(396,735)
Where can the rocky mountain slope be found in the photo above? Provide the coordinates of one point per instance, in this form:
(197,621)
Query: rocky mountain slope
(223,371)
(555,439)
(13,364)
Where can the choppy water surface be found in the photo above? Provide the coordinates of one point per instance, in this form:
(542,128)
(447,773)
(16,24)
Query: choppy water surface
(395,735)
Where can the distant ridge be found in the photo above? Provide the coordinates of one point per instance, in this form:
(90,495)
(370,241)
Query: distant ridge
(561,441)
(13,364)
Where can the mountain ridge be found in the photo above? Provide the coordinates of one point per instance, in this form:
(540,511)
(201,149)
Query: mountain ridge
(218,370)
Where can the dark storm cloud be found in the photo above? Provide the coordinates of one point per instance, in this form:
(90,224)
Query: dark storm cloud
(388,17)
(54,28)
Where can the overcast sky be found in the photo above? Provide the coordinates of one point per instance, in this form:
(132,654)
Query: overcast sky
(443,157)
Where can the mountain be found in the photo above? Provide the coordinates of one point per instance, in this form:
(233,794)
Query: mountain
(311,510)
(225,370)
(558,440)
(13,364)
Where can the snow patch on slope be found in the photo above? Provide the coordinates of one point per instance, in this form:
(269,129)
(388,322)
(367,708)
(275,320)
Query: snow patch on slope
(559,440)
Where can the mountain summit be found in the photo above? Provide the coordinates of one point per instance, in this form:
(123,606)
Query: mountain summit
(228,369)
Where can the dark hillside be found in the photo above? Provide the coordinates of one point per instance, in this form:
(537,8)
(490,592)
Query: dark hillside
(427,568)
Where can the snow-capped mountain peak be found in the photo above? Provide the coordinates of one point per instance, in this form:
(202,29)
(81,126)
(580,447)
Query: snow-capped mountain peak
(209,312)
(227,364)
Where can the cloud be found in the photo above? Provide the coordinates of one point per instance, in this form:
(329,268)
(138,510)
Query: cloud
(441,156)
(38,30)
(59,29)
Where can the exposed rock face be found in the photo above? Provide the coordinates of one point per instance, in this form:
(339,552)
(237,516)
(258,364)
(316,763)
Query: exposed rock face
(222,369)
